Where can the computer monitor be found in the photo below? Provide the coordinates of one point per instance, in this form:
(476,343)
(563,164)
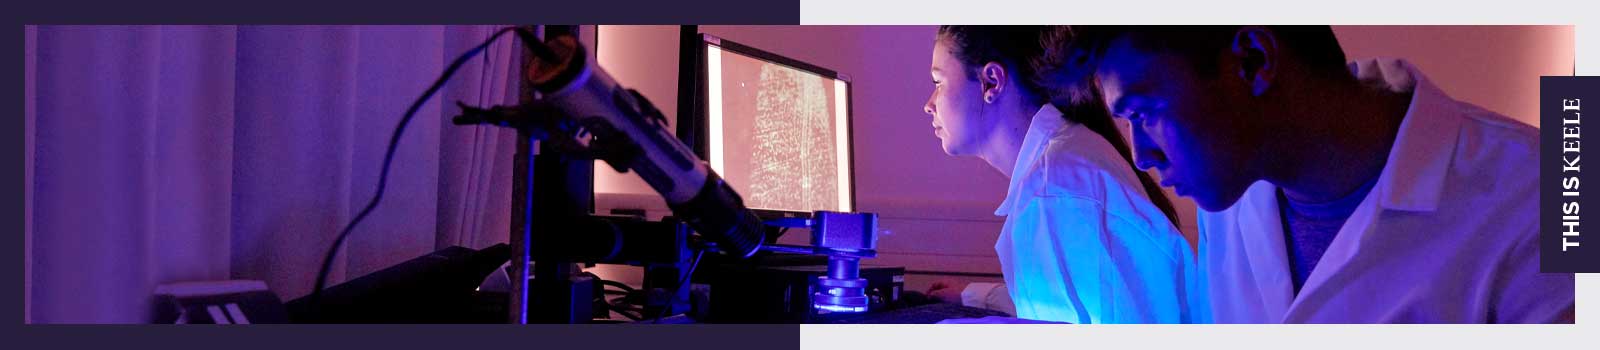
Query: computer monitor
(775,128)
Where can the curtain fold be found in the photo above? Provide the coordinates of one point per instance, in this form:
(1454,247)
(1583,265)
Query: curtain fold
(159,154)
(482,159)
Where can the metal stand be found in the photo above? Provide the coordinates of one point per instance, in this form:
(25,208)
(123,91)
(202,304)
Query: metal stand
(553,228)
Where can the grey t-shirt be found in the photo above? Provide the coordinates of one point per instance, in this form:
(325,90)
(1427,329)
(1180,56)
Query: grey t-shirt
(1308,228)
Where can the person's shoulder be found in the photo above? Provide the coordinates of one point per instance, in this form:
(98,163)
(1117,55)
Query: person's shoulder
(1078,162)
(1493,172)
(1494,149)
(1478,114)
(1510,134)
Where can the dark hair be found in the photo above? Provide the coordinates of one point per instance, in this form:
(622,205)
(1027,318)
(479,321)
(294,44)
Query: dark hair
(1020,49)
(1314,46)
(1037,56)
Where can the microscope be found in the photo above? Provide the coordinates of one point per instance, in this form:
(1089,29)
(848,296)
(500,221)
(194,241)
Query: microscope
(578,113)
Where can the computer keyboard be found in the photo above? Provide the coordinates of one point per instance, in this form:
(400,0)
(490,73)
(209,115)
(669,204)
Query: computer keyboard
(924,314)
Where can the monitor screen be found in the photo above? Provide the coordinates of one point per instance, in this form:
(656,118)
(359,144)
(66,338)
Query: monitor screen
(777,132)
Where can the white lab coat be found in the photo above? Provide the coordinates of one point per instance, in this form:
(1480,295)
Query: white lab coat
(1082,243)
(1447,234)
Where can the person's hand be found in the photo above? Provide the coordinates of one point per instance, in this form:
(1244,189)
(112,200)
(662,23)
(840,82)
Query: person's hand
(946,290)
(995,320)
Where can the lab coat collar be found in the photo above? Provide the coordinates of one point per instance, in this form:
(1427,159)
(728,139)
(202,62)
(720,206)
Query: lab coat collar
(1413,175)
(1411,180)
(1264,247)
(1046,122)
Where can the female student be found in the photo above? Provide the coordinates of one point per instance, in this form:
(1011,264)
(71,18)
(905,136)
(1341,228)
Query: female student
(1087,238)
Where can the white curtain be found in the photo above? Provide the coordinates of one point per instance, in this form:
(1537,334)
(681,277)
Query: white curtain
(159,154)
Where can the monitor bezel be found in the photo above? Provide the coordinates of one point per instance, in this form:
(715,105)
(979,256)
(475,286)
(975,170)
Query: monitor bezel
(693,98)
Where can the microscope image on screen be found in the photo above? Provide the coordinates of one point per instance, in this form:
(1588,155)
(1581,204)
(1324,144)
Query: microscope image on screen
(792,163)
(780,135)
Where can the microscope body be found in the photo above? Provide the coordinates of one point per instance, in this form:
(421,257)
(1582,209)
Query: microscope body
(582,114)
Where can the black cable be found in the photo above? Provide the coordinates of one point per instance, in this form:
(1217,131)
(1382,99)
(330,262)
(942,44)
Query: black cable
(624,305)
(388,158)
(620,305)
(619,285)
(631,313)
(668,308)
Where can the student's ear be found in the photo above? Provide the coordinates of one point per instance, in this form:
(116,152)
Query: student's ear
(992,78)
(1256,49)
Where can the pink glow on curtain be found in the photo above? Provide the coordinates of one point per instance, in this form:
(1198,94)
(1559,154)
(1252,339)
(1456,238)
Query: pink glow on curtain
(175,153)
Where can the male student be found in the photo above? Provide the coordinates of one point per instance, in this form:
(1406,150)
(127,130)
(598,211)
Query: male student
(1331,192)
